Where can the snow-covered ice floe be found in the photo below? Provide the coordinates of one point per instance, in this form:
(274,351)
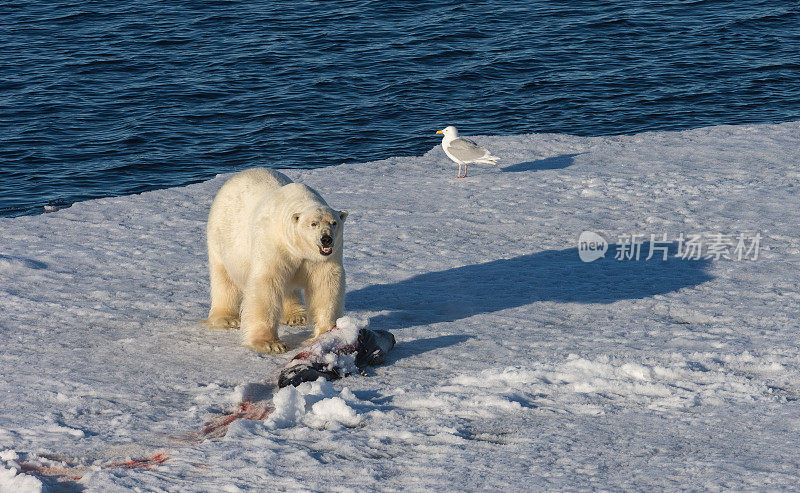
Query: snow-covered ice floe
(518,365)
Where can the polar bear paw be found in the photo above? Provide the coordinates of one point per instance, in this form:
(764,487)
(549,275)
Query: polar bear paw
(272,347)
(295,318)
(223,322)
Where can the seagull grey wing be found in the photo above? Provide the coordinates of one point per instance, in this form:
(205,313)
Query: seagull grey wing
(465,150)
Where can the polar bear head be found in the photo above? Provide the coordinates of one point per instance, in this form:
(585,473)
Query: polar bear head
(318,232)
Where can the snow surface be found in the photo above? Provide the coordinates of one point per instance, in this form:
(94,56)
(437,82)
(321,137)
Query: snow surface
(517,367)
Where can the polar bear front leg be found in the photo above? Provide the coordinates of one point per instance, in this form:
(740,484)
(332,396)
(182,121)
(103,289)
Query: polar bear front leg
(325,295)
(262,306)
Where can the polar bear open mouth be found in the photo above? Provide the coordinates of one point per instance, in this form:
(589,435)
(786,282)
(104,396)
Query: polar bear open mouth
(325,250)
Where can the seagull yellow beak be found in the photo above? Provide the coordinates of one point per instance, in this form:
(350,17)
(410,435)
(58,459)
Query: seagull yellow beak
(439,132)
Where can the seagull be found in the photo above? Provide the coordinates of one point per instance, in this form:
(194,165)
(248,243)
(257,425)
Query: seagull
(464,151)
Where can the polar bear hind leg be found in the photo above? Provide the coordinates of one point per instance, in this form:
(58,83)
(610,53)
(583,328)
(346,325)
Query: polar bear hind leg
(225,297)
(293,312)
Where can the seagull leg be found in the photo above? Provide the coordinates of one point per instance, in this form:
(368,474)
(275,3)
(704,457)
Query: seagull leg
(459,171)
(465,170)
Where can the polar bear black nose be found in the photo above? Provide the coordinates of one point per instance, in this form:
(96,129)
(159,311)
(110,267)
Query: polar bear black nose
(326,240)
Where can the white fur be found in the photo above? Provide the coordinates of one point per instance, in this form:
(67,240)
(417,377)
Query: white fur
(264,246)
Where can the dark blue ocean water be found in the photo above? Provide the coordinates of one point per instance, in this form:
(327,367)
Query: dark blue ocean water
(103,98)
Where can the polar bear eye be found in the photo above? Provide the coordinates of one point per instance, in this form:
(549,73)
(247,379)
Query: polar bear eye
(314,224)
(333,224)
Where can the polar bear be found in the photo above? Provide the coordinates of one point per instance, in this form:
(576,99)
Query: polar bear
(269,238)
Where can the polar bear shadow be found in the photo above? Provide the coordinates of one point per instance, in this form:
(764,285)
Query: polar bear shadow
(551,275)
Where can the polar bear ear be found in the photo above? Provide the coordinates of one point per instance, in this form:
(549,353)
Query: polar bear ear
(342,215)
(296,217)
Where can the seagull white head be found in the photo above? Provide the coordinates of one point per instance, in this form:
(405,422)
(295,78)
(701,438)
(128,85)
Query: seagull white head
(449,132)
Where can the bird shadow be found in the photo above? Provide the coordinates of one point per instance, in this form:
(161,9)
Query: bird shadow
(555,162)
(550,275)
